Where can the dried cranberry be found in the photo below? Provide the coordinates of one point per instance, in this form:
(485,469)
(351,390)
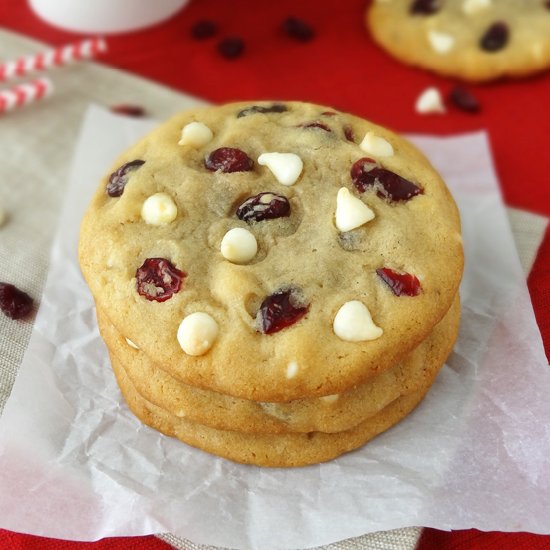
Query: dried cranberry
(204,29)
(495,38)
(348,133)
(464,100)
(275,108)
(401,284)
(119,178)
(228,159)
(316,124)
(264,206)
(298,29)
(158,279)
(280,310)
(328,113)
(367,173)
(425,7)
(15,303)
(128,110)
(231,47)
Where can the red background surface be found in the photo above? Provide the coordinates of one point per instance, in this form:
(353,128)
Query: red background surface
(341,67)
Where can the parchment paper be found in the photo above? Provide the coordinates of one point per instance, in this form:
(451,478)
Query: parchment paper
(75,463)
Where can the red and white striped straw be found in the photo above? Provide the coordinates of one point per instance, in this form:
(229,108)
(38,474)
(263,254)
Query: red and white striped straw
(57,57)
(23,94)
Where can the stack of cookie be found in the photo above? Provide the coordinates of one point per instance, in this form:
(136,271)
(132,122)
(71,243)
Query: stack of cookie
(277,283)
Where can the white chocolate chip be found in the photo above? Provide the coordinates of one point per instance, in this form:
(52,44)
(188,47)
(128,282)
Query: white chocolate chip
(376,145)
(159,209)
(473,7)
(131,344)
(286,167)
(239,245)
(195,134)
(441,42)
(353,323)
(197,333)
(329,399)
(291,369)
(430,101)
(3,216)
(351,212)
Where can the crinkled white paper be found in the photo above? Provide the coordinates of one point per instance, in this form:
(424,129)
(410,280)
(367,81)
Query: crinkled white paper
(75,463)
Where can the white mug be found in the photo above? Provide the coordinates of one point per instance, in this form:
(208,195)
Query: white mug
(105,16)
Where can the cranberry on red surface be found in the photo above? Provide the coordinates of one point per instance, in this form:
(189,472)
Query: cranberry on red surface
(464,100)
(275,108)
(204,29)
(425,7)
(495,38)
(15,303)
(228,159)
(264,206)
(367,173)
(231,47)
(316,124)
(158,279)
(298,29)
(119,178)
(280,310)
(401,284)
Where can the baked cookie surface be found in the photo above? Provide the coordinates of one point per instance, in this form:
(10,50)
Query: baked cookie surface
(353,215)
(475,40)
(329,414)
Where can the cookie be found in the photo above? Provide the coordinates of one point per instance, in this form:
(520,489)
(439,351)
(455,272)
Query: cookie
(275,451)
(329,414)
(476,40)
(272,251)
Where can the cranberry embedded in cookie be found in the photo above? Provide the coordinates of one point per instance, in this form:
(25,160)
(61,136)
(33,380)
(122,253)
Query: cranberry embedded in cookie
(401,284)
(119,178)
(157,279)
(367,173)
(425,7)
(253,109)
(280,310)
(495,38)
(228,160)
(264,206)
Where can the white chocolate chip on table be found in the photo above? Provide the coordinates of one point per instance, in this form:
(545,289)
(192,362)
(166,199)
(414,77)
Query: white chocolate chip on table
(159,209)
(430,102)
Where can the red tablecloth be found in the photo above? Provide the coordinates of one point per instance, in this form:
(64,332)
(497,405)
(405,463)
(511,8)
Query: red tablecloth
(340,67)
